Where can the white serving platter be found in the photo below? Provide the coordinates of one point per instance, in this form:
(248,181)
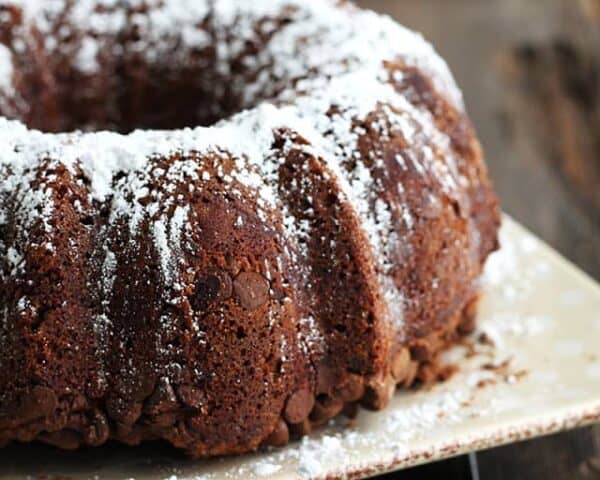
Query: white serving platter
(535,370)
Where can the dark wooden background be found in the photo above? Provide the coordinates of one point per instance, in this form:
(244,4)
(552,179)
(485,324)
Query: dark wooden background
(530,72)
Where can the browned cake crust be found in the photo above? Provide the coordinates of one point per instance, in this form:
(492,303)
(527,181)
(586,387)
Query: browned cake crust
(229,287)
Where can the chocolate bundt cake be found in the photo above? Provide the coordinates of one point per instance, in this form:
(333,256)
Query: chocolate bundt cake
(225,222)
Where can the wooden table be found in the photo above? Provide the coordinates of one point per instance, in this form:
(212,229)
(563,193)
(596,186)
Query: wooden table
(530,72)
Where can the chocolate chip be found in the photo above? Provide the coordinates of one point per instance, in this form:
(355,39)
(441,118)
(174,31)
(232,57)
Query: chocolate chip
(427,373)
(126,412)
(400,364)
(184,431)
(143,387)
(280,436)
(300,429)
(213,288)
(28,434)
(129,435)
(251,289)
(468,321)
(351,390)
(326,378)
(378,394)
(78,403)
(164,419)
(299,405)
(65,439)
(325,409)
(467,325)
(192,396)
(411,374)
(421,351)
(7,422)
(77,421)
(40,402)
(98,431)
(350,410)
(162,400)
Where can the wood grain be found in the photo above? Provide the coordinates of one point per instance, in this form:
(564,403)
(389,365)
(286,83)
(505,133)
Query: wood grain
(530,72)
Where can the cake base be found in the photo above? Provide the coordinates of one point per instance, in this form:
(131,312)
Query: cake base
(413,366)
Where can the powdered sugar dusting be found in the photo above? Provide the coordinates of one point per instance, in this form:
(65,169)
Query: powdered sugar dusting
(87,56)
(6,70)
(352,36)
(264,469)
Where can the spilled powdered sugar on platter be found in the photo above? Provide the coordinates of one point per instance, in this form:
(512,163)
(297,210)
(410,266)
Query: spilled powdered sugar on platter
(531,368)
